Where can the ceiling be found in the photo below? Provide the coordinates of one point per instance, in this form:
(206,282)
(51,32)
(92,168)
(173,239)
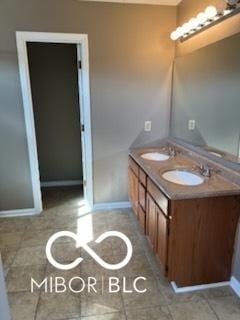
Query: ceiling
(159,2)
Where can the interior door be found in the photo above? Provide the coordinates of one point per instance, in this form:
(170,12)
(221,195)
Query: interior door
(81,120)
(54,89)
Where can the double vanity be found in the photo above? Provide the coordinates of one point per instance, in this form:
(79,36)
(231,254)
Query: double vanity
(189,209)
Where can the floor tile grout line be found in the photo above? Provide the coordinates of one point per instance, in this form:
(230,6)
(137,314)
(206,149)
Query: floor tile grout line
(124,309)
(209,304)
(169,312)
(17,249)
(39,296)
(95,315)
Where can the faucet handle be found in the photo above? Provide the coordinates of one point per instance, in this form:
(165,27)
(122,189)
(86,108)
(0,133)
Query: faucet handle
(214,170)
(196,167)
(172,151)
(205,170)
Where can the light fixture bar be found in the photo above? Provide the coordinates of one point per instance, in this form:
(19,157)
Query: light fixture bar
(210,24)
(205,20)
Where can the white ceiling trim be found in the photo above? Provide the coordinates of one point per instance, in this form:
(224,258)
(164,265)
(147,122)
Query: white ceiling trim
(155,2)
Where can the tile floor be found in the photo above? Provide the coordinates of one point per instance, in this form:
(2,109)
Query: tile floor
(22,243)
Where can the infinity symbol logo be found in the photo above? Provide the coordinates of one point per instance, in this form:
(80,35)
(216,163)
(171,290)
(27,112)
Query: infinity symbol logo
(91,252)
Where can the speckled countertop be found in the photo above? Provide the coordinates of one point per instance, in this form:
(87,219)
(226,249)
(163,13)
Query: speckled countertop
(217,185)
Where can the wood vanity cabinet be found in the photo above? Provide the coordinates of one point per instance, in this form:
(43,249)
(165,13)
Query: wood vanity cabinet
(148,203)
(162,239)
(151,222)
(157,223)
(193,239)
(133,185)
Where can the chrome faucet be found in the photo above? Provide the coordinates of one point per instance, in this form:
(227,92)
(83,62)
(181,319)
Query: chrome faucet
(172,152)
(205,170)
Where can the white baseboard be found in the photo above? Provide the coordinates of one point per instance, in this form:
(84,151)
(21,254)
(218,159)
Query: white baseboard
(18,213)
(96,207)
(111,205)
(199,287)
(63,183)
(235,284)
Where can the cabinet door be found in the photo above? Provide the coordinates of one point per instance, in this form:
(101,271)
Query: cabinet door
(162,238)
(142,196)
(151,216)
(133,190)
(142,218)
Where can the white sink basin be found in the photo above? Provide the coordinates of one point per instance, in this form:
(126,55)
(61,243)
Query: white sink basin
(183,177)
(217,154)
(155,156)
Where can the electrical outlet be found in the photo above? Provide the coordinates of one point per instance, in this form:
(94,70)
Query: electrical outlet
(148,126)
(191,124)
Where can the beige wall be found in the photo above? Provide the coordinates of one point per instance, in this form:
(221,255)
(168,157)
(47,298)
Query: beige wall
(15,182)
(190,8)
(130,77)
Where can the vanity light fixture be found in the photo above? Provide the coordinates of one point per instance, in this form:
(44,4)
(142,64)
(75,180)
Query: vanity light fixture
(205,20)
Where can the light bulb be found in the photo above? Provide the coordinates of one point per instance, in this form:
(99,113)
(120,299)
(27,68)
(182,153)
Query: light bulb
(186,27)
(227,11)
(201,18)
(174,36)
(180,32)
(211,12)
(193,23)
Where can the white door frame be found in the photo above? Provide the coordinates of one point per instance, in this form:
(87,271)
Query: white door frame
(81,40)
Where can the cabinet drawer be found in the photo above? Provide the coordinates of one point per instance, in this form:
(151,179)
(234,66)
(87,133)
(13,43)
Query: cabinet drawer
(142,218)
(158,196)
(142,177)
(142,196)
(133,165)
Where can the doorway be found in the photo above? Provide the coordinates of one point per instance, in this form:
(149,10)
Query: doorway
(54,86)
(54,76)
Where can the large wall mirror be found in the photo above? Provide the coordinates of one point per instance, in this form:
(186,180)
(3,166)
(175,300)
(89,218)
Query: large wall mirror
(206,99)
